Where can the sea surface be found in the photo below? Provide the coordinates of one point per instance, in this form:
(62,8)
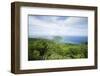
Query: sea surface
(75,39)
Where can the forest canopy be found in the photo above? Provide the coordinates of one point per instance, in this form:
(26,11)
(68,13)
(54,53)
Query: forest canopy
(45,49)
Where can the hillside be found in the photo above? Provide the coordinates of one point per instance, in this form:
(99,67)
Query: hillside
(44,49)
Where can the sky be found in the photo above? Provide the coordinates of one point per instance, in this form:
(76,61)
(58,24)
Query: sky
(40,25)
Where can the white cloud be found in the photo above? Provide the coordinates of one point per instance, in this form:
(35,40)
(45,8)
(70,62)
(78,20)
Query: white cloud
(53,26)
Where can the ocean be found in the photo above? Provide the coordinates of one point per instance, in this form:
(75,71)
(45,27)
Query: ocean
(75,39)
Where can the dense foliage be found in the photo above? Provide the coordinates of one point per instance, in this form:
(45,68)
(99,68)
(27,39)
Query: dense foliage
(44,49)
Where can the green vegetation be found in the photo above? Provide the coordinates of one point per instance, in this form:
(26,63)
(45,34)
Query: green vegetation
(44,49)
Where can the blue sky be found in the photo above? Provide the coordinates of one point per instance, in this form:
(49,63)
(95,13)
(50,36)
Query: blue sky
(57,25)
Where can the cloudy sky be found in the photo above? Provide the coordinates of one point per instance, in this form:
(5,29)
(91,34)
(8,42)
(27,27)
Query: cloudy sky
(57,26)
